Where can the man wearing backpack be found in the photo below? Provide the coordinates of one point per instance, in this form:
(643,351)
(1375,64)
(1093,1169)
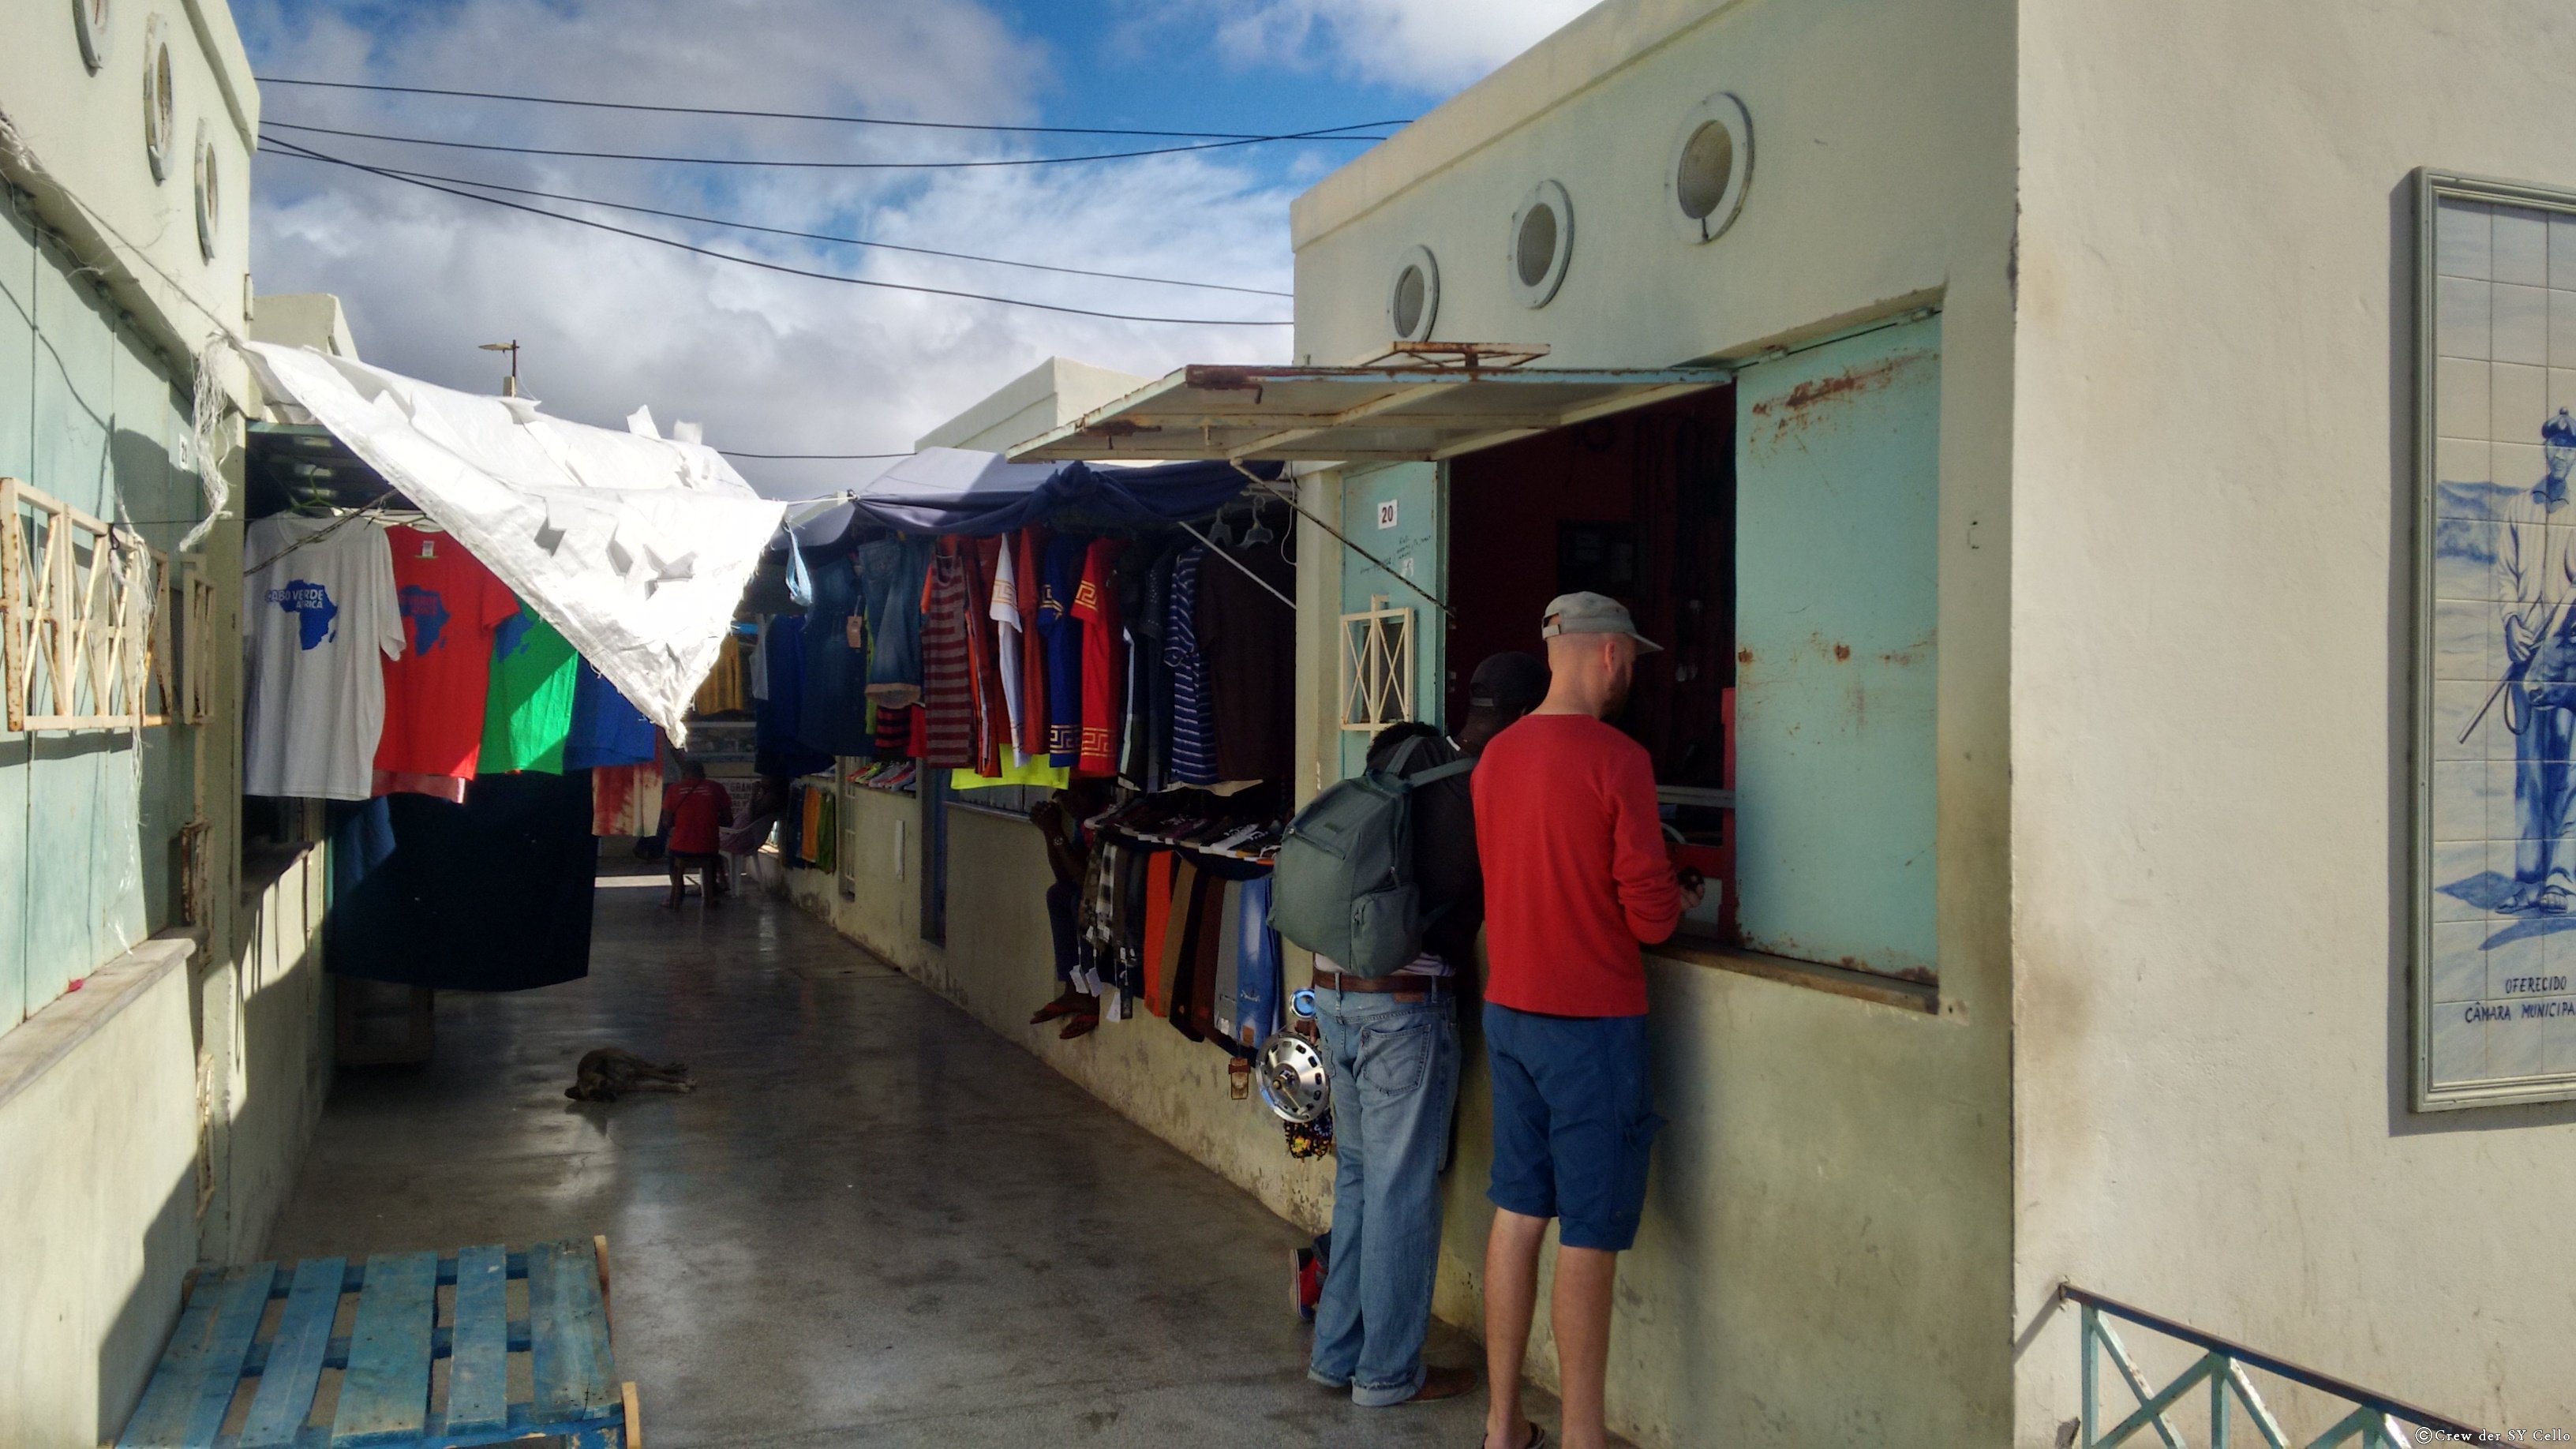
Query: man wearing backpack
(1391,1046)
(1577,878)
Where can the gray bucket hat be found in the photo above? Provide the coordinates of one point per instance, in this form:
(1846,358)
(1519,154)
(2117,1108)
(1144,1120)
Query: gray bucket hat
(1590,613)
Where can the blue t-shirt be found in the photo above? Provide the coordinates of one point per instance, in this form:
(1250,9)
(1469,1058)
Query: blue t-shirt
(607,729)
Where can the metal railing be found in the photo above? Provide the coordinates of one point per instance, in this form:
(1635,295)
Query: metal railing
(2375,1422)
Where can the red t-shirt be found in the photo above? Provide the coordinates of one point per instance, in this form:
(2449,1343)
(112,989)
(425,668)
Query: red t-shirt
(451,604)
(1104,682)
(1575,869)
(695,808)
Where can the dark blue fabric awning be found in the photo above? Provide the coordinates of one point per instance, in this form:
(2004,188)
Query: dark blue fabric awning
(950,490)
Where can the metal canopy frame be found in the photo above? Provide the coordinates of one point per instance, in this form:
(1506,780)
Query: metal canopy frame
(1393,412)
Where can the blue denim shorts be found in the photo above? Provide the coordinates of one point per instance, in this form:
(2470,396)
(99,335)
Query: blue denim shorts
(1574,1122)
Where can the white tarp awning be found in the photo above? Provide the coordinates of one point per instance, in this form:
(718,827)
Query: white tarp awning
(634,546)
(1408,412)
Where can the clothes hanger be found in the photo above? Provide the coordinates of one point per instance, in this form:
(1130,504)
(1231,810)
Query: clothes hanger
(1260,532)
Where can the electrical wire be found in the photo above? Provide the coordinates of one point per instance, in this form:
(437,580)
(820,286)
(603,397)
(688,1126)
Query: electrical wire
(828,457)
(1392,571)
(289,148)
(1325,134)
(822,236)
(804,165)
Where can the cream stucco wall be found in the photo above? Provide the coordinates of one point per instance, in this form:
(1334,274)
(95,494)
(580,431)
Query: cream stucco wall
(86,130)
(1826,1254)
(93,1242)
(1045,397)
(2212,567)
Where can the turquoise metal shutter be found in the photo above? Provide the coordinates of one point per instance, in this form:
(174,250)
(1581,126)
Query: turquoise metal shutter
(1838,492)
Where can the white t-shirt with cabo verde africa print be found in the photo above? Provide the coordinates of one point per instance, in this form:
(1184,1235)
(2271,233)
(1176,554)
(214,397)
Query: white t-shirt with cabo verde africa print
(318,622)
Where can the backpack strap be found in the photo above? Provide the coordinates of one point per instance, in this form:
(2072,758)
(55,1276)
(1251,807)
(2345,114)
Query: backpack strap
(1404,754)
(1438,773)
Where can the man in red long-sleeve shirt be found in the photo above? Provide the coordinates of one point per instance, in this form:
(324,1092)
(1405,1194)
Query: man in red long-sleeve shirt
(1576,877)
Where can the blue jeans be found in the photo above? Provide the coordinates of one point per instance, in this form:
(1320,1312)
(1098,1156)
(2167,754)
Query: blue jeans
(1394,1067)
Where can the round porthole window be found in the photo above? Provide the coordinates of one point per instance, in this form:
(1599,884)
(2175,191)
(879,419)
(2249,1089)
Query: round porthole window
(89,18)
(160,102)
(210,196)
(1542,239)
(1413,298)
(1711,162)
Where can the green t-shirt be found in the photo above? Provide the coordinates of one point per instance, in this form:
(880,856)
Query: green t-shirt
(527,716)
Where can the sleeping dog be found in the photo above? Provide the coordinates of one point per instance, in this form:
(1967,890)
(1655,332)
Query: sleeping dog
(608,1072)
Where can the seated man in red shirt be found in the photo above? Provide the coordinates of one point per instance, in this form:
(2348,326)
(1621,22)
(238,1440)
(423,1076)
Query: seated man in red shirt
(693,810)
(1575,878)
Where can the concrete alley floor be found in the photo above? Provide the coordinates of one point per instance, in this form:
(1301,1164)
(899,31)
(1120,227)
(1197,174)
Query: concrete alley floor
(874,1222)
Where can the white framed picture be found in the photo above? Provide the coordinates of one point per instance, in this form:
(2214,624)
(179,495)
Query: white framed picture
(2495,654)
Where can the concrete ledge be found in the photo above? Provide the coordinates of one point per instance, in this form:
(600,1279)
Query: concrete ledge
(50,1035)
(1896,991)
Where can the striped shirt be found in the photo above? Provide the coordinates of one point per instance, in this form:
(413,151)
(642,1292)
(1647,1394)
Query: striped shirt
(1193,724)
(947,668)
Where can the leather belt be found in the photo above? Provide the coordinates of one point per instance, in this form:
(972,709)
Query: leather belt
(1397,985)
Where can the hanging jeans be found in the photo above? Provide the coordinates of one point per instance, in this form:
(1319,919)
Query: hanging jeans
(1394,1066)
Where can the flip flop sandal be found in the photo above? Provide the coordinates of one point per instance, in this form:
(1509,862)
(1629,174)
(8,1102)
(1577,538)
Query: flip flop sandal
(1537,1439)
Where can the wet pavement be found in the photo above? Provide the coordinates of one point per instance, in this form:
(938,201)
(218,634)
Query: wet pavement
(873,1223)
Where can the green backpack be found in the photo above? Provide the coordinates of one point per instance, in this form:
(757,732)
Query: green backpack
(1343,886)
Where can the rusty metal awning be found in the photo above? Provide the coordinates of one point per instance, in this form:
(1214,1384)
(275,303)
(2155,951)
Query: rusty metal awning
(1393,411)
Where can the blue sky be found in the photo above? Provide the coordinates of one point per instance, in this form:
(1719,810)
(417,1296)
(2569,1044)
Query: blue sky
(774,363)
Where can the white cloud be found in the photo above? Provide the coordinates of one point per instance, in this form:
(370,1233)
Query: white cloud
(1434,46)
(768,362)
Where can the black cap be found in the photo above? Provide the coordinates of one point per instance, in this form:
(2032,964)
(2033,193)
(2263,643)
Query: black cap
(1512,683)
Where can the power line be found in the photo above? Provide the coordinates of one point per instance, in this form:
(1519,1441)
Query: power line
(804,165)
(821,236)
(289,148)
(828,457)
(1327,134)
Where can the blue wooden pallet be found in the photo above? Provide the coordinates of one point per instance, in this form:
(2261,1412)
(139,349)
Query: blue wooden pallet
(218,1352)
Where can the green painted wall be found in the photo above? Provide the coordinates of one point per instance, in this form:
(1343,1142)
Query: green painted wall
(89,413)
(1413,540)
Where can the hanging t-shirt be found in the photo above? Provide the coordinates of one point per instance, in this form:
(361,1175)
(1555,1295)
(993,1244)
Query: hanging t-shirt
(1247,638)
(947,665)
(1031,568)
(777,749)
(993,747)
(451,604)
(722,691)
(527,717)
(607,728)
(1063,632)
(1193,726)
(1005,611)
(833,717)
(1104,697)
(317,623)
